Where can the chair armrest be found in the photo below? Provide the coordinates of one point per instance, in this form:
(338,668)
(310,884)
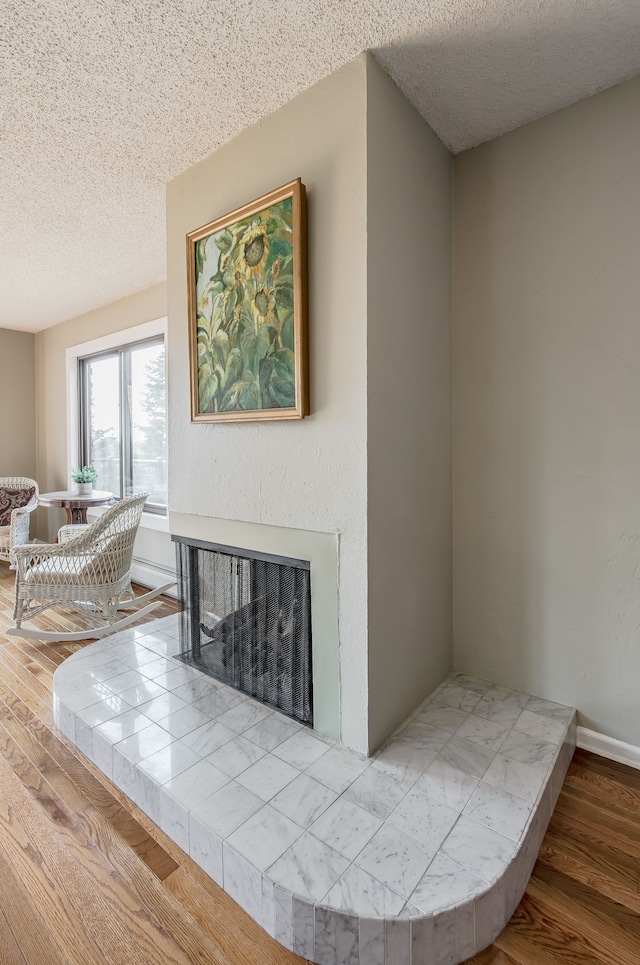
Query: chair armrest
(34,554)
(34,551)
(39,551)
(20,519)
(19,531)
(24,511)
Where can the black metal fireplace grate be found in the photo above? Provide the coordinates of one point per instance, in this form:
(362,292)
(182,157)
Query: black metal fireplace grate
(246,620)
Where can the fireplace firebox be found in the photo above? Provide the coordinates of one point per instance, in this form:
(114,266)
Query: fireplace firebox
(246,620)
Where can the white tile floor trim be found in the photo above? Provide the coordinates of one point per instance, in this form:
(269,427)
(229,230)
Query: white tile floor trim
(417,856)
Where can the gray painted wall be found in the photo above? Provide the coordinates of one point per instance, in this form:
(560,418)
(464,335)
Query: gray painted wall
(547,410)
(18,403)
(309,474)
(409,175)
(371,465)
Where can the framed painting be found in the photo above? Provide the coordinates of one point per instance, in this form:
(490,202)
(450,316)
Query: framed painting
(247,277)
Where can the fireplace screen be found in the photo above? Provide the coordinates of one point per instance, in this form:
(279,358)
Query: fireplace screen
(246,620)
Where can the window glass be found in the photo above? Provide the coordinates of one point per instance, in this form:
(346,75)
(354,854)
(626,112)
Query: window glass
(149,423)
(123,420)
(103,422)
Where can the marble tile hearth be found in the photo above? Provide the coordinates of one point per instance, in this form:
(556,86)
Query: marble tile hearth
(417,856)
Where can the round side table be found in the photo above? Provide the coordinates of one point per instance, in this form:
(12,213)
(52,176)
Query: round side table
(75,504)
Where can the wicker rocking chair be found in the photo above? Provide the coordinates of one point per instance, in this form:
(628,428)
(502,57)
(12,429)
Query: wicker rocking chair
(91,573)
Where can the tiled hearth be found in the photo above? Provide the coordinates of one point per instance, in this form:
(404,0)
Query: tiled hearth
(417,856)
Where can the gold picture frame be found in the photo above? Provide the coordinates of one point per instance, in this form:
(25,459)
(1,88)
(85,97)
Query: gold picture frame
(247,303)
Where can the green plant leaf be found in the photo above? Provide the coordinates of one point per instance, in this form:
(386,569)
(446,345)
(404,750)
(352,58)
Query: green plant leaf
(214,287)
(201,255)
(254,347)
(203,325)
(284,295)
(265,373)
(282,393)
(243,394)
(245,316)
(282,213)
(284,362)
(286,267)
(287,332)
(224,240)
(233,368)
(249,395)
(230,304)
(207,388)
(220,347)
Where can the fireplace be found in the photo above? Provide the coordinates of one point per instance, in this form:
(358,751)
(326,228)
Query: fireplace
(246,620)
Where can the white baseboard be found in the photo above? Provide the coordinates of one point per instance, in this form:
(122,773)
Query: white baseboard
(152,575)
(614,750)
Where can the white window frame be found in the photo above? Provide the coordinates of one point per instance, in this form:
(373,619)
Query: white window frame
(137,333)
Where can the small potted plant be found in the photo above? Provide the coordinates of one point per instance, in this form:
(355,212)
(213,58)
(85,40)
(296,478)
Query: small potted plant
(84,479)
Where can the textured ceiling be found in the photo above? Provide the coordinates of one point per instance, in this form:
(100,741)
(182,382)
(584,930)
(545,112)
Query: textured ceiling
(103,101)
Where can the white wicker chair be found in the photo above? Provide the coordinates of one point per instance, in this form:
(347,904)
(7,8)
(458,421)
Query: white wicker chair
(16,532)
(90,572)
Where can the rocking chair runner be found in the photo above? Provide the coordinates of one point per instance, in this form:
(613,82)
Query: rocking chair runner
(91,573)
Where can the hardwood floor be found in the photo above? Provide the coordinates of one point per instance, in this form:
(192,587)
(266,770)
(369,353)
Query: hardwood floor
(582,903)
(86,877)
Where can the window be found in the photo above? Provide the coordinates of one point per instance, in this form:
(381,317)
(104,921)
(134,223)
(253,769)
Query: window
(123,430)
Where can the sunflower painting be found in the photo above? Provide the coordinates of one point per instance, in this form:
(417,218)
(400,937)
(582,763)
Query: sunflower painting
(247,311)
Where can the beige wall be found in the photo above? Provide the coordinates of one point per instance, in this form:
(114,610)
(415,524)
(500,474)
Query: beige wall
(17,404)
(408,406)
(374,173)
(308,475)
(546,393)
(52,452)
(547,410)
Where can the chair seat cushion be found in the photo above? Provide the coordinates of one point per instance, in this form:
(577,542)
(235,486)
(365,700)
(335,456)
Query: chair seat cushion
(102,568)
(69,571)
(11,499)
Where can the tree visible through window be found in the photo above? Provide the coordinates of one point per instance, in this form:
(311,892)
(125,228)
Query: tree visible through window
(123,420)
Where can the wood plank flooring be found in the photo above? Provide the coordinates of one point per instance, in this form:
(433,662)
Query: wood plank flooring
(86,877)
